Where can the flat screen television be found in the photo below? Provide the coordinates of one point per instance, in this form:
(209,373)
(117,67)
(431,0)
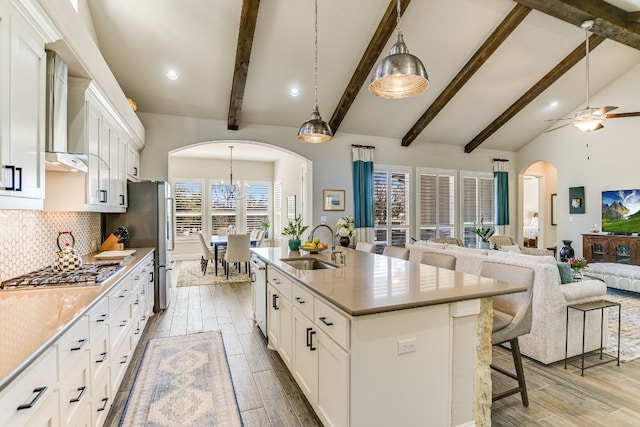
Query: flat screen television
(621,211)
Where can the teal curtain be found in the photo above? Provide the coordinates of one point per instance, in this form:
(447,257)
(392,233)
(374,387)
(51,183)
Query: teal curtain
(501,188)
(363,192)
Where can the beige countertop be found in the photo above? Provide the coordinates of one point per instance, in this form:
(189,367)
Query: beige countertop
(33,319)
(370,283)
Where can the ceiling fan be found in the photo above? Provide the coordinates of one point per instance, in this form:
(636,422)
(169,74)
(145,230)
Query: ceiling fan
(591,118)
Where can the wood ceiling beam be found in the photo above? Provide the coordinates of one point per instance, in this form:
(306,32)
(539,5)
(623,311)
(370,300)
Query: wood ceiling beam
(369,57)
(609,21)
(558,71)
(491,44)
(634,17)
(248,18)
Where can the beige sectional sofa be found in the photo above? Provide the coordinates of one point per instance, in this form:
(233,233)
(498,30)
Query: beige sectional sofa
(546,341)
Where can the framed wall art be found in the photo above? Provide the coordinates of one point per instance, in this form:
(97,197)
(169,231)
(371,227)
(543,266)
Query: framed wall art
(333,200)
(576,200)
(554,209)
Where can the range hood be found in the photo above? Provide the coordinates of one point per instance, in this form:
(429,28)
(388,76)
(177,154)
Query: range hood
(56,156)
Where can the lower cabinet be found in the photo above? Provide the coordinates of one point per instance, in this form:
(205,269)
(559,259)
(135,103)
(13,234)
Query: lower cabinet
(309,336)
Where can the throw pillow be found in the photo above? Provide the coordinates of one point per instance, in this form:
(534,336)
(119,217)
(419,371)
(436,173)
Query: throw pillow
(511,248)
(566,275)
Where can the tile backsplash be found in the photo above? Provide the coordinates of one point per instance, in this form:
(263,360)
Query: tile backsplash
(28,239)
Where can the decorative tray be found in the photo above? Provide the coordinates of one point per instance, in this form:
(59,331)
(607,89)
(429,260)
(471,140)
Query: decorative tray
(115,254)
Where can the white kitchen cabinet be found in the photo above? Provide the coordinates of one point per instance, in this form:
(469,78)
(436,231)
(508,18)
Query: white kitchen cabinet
(22,125)
(333,382)
(305,355)
(32,397)
(75,392)
(279,320)
(273,317)
(133,163)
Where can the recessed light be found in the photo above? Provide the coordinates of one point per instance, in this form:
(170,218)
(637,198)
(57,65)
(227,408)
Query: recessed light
(294,91)
(552,104)
(172,75)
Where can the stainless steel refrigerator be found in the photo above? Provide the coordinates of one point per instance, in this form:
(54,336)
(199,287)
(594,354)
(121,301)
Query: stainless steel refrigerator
(149,219)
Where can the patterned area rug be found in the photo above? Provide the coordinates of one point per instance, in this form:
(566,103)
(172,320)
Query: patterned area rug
(190,274)
(183,380)
(629,328)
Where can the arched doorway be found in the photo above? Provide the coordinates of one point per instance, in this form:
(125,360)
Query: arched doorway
(539,182)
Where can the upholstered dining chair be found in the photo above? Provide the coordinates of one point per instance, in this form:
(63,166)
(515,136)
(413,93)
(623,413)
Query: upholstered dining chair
(222,231)
(207,255)
(237,252)
(259,238)
(396,252)
(448,240)
(512,316)
(439,260)
(254,234)
(366,247)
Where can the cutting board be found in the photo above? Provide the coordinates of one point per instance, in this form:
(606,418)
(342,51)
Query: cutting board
(115,254)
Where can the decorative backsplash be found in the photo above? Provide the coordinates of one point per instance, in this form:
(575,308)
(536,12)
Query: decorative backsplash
(28,238)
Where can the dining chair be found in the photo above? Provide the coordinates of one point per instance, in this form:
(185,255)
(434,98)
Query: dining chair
(237,252)
(396,252)
(207,255)
(439,260)
(512,316)
(366,247)
(222,231)
(254,234)
(259,238)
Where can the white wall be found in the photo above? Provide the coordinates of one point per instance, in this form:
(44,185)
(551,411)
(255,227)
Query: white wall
(603,160)
(331,161)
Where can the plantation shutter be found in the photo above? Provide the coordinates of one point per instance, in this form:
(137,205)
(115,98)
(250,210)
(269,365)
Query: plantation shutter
(188,201)
(257,205)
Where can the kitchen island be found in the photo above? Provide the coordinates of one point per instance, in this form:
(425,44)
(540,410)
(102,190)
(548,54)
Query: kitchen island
(382,341)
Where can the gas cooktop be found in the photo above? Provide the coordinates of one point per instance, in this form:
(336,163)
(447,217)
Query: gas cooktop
(87,274)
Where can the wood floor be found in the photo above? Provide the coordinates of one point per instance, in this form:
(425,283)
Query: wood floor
(267,395)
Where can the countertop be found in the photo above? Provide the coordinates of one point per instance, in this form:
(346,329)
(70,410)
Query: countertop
(33,319)
(370,283)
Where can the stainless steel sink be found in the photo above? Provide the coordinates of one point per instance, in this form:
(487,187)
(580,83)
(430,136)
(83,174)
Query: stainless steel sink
(308,263)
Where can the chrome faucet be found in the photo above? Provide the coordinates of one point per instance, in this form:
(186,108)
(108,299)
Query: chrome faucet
(333,237)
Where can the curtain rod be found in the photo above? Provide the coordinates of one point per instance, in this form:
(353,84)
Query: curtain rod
(500,160)
(362,146)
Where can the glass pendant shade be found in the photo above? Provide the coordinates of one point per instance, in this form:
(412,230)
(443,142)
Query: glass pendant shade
(589,125)
(399,74)
(315,130)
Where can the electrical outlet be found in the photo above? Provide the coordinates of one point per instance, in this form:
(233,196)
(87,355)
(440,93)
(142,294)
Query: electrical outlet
(570,219)
(323,219)
(407,346)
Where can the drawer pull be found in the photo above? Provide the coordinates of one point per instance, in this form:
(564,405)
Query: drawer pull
(300,300)
(137,331)
(81,343)
(309,337)
(136,302)
(104,405)
(274,302)
(311,347)
(323,319)
(123,323)
(123,293)
(124,359)
(143,318)
(102,318)
(104,357)
(40,391)
(77,399)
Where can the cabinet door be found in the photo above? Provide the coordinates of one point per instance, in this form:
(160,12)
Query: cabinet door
(305,355)
(273,317)
(133,163)
(105,159)
(333,382)
(285,347)
(94,134)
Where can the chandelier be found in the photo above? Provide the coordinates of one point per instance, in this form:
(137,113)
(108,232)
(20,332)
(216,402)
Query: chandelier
(228,193)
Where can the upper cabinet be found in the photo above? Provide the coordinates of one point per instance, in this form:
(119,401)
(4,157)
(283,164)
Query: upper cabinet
(22,103)
(133,163)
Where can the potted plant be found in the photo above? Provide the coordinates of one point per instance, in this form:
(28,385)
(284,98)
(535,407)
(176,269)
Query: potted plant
(294,230)
(265,224)
(484,234)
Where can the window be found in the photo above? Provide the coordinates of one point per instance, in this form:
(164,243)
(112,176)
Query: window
(188,200)
(477,204)
(257,205)
(223,210)
(391,206)
(436,203)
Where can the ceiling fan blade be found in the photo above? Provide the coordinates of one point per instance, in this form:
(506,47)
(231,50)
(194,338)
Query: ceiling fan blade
(600,126)
(557,120)
(551,130)
(604,110)
(619,115)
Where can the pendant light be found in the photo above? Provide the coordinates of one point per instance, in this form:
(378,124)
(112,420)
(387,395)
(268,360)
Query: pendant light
(228,193)
(315,130)
(400,74)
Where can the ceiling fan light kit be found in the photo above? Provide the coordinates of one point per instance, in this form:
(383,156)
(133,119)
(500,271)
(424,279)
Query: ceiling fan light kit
(399,74)
(315,130)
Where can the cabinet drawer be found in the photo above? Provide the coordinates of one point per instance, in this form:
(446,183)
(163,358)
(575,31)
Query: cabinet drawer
(100,356)
(30,391)
(120,326)
(302,300)
(99,318)
(73,344)
(119,294)
(100,401)
(332,323)
(120,358)
(75,392)
(279,281)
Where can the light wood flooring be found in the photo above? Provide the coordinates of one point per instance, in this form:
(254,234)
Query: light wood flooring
(267,395)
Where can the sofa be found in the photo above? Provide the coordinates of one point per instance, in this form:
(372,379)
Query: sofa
(546,341)
(500,242)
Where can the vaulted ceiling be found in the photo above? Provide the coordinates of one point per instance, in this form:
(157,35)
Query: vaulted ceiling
(496,67)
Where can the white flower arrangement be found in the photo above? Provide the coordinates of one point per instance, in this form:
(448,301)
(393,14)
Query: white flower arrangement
(345,227)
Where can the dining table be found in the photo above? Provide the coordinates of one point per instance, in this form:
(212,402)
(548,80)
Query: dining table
(221,241)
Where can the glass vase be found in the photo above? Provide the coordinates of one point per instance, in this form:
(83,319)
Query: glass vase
(345,241)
